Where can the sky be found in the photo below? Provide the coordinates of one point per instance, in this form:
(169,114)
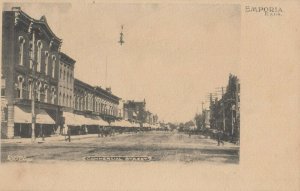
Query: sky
(174,54)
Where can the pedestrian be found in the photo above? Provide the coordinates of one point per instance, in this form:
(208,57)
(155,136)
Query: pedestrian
(69,134)
(220,136)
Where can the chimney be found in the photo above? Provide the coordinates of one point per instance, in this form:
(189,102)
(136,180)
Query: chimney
(108,89)
(16,8)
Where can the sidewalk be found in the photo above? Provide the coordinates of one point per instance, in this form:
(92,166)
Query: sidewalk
(48,139)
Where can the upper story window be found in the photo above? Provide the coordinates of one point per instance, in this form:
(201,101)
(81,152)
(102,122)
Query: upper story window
(39,55)
(53,95)
(20,87)
(53,65)
(31,55)
(46,62)
(46,93)
(21,50)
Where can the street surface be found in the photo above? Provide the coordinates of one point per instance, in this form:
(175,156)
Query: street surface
(160,146)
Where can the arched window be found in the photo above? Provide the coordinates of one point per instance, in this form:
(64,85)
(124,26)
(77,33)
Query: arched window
(46,62)
(53,65)
(67,77)
(20,87)
(70,104)
(53,95)
(39,55)
(21,50)
(30,88)
(31,55)
(67,101)
(82,104)
(39,90)
(60,99)
(46,93)
(71,78)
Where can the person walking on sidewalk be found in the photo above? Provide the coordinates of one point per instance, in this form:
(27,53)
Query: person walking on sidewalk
(69,134)
(220,137)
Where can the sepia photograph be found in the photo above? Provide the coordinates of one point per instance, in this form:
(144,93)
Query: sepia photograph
(150,95)
(130,85)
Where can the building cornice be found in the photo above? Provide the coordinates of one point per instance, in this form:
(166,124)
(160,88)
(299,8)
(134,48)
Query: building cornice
(40,24)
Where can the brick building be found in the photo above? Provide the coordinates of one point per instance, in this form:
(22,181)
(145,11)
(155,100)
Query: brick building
(30,58)
(95,101)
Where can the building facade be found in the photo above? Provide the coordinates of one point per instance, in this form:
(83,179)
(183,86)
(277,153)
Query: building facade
(135,111)
(66,81)
(30,61)
(225,113)
(95,101)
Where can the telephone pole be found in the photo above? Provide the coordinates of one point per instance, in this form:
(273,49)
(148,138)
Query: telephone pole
(32,62)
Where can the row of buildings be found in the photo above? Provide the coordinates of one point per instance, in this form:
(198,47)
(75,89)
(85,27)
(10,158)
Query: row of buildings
(33,67)
(224,113)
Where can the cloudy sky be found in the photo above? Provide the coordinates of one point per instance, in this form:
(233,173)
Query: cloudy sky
(173,56)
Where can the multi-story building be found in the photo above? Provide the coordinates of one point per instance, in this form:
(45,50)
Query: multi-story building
(135,111)
(225,113)
(95,101)
(66,81)
(30,58)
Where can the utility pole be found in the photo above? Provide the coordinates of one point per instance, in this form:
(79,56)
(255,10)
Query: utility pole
(232,123)
(224,122)
(223,108)
(32,62)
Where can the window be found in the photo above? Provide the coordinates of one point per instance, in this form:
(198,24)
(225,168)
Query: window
(67,101)
(21,50)
(39,55)
(30,89)
(53,95)
(67,77)
(70,104)
(53,66)
(31,55)
(20,87)
(46,62)
(2,92)
(39,90)
(46,92)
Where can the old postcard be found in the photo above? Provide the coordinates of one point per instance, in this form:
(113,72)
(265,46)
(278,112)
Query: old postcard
(154,95)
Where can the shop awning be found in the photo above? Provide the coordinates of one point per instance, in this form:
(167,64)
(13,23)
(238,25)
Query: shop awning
(71,119)
(121,123)
(23,115)
(146,125)
(43,118)
(100,121)
(78,120)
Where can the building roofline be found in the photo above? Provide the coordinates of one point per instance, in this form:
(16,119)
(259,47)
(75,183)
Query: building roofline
(42,21)
(97,89)
(67,58)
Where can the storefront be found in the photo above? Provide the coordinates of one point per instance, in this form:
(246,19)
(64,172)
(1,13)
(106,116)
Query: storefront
(45,125)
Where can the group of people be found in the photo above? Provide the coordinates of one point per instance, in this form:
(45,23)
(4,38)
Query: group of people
(102,132)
